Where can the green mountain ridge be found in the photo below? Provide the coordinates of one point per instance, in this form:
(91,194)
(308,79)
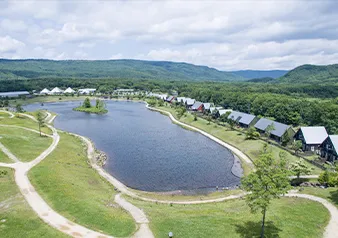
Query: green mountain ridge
(312,74)
(129,69)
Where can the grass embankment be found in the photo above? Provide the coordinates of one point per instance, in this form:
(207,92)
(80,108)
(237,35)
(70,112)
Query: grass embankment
(287,217)
(4,158)
(69,185)
(181,197)
(235,138)
(330,194)
(24,122)
(25,145)
(16,217)
(42,99)
(4,114)
(91,110)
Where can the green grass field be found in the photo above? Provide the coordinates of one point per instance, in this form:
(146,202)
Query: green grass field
(330,194)
(4,114)
(4,158)
(249,147)
(287,217)
(67,183)
(16,217)
(25,145)
(25,122)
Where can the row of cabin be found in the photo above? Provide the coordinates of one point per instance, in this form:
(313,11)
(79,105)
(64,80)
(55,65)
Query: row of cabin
(58,91)
(315,139)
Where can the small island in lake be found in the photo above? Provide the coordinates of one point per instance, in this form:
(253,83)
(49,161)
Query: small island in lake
(99,108)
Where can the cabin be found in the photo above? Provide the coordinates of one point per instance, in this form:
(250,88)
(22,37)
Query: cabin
(189,103)
(311,137)
(15,94)
(223,111)
(279,129)
(329,148)
(244,120)
(206,107)
(198,106)
(170,99)
(215,111)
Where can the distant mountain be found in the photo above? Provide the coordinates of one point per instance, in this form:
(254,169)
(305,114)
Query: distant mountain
(255,74)
(263,80)
(312,74)
(122,69)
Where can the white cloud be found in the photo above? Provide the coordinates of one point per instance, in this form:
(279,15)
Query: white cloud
(116,56)
(8,44)
(222,34)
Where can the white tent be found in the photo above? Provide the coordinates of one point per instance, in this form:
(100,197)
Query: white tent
(56,90)
(69,90)
(45,91)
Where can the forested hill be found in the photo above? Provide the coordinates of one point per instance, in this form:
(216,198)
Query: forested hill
(127,69)
(255,74)
(312,74)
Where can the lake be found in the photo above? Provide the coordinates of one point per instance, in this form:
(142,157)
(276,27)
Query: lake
(146,151)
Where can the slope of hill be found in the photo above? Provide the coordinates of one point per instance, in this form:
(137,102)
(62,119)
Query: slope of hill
(255,74)
(312,74)
(129,69)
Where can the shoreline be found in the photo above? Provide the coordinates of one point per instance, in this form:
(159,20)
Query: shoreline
(236,168)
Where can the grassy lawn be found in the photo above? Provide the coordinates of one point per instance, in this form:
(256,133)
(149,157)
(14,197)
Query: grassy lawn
(4,158)
(46,99)
(69,185)
(181,197)
(4,114)
(249,147)
(330,194)
(287,217)
(26,145)
(25,122)
(16,217)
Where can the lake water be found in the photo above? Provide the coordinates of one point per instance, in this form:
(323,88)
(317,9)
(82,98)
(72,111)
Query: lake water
(146,150)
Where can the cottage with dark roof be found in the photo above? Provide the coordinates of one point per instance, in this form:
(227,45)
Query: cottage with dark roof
(243,119)
(312,137)
(198,106)
(279,129)
(329,148)
(170,99)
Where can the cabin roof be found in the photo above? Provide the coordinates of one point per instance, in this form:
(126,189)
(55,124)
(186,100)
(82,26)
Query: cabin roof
(314,134)
(196,105)
(242,117)
(334,140)
(279,130)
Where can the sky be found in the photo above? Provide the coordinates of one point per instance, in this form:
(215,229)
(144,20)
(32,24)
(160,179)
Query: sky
(227,35)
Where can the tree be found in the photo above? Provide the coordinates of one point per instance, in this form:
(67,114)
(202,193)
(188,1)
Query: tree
(195,116)
(160,103)
(231,123)
(41,120)
(297,146)
(252,133)
(86,103)
(269,129)
(299,168)
(269,181)
(19,108)
(209,119)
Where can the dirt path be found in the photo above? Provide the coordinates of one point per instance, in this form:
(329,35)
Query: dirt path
(11,115)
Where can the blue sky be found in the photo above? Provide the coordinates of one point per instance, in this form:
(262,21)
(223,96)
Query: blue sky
(227,35)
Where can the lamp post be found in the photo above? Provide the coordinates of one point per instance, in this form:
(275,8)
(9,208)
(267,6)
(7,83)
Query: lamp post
(171,235)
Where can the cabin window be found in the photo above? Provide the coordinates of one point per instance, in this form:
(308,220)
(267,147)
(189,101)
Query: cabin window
(312,148)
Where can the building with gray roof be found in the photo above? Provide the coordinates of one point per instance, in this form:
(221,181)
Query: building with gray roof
(279,129)
(312,137)
(243,119)
(14,94)
(197,106)
(329,148)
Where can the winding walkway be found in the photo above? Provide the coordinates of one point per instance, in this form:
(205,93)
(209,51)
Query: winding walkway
(11,115)
(59,222)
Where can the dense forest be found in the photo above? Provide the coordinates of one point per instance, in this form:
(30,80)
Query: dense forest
(113,69)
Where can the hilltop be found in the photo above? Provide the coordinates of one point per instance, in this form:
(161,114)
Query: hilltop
(255,74)
(312,74)
(122,69)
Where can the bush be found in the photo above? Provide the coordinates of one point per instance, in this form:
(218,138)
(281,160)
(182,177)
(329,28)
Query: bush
(328,178)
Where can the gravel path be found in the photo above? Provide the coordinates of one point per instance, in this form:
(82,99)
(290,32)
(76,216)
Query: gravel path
(11,115)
